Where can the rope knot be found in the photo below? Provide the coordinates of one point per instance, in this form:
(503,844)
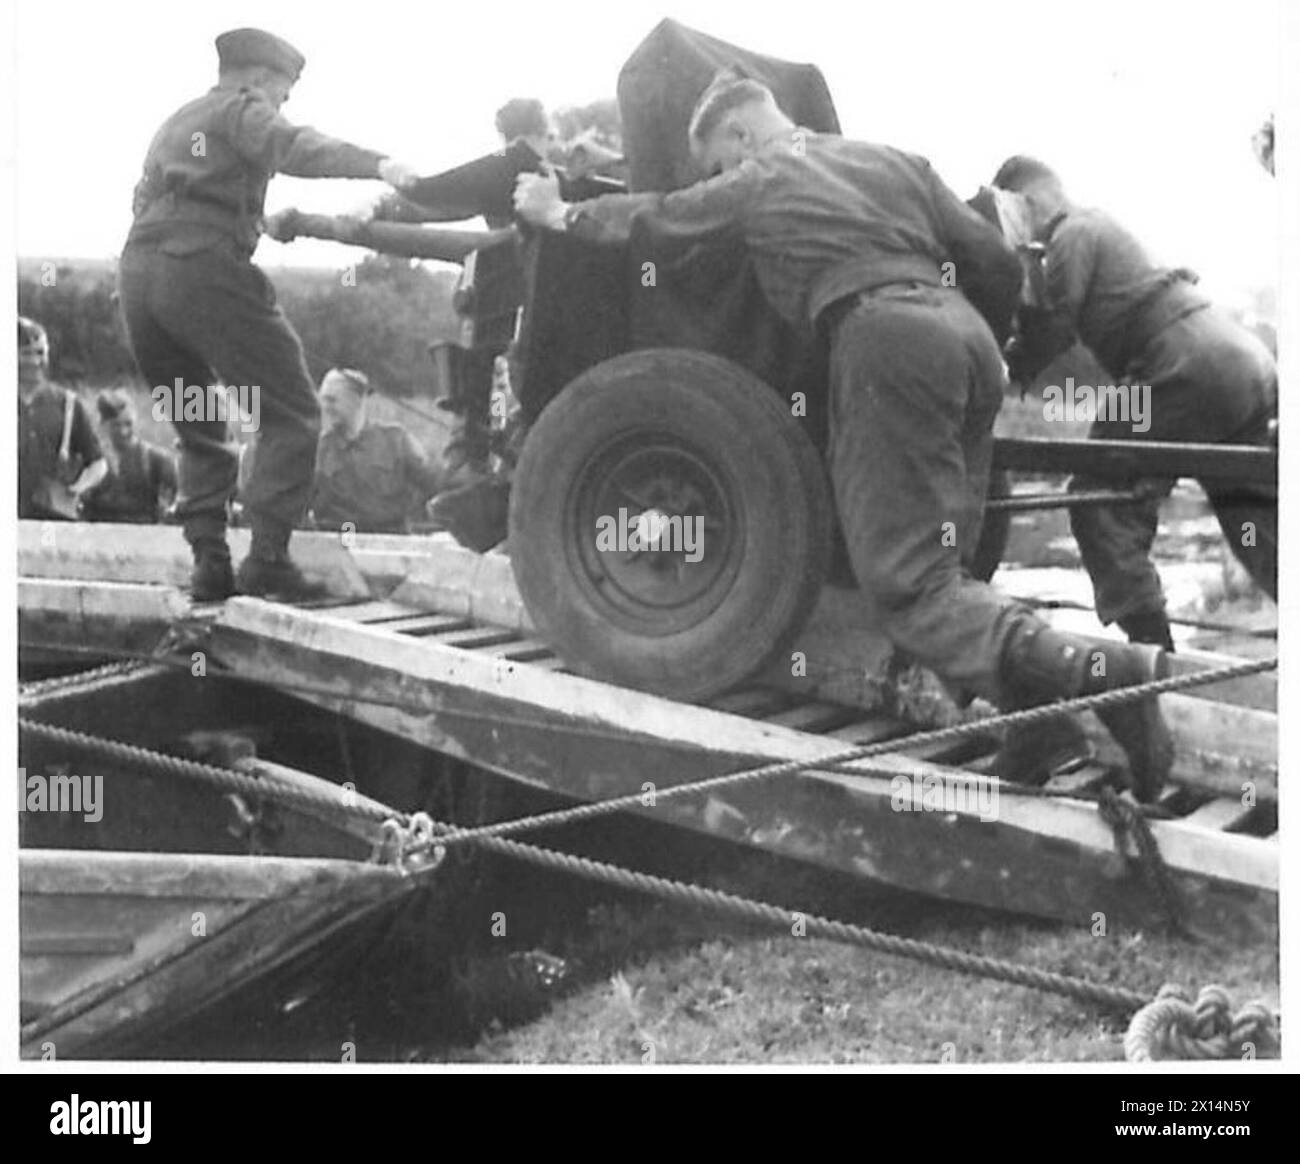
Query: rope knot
(1172,1027)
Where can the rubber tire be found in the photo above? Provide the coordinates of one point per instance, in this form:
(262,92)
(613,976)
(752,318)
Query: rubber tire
(770,474)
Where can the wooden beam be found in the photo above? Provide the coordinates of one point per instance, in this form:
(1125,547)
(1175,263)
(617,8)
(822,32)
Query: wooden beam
(588,740)
(1126,460)
(189,876)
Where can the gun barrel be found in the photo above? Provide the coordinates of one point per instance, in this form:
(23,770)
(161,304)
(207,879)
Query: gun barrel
(394,238)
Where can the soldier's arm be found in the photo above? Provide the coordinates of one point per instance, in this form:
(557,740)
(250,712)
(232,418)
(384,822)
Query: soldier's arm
(84,445)
(700,211)
(262,136)
(987,268)
(165,482)
(1069,263)
(422,473)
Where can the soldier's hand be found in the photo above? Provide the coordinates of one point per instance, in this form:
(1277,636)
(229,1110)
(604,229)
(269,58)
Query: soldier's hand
(398,174)
(283,227)
(537,200)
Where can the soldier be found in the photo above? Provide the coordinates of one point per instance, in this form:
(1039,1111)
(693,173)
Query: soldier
(1208,379)
(852,239)
(198,312)
(59,458)
(141,482)
(369,475)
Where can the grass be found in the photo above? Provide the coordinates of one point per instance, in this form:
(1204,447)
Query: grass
(736,998)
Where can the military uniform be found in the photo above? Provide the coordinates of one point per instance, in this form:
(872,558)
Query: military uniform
(850,238)
(371,480)
(868,247)
(198,311)
(136,488)
(40,437)
(1210,381)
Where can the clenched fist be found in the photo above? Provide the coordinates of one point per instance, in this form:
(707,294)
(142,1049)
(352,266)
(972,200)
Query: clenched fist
(283,227)
(537,200)
(398,174)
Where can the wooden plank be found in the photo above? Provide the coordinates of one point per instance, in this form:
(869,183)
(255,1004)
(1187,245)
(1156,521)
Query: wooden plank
(428,624)
(1129,459)
(49,945)
(522,651)
(178,875)
(869,730)
(588,740)
(374,611)
(811,717)
(1221,814)
(189,975)
(751,701)
(476,637)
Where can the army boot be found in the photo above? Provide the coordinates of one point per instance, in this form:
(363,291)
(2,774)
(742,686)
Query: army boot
(1052,665)
(211,579)
(268,571)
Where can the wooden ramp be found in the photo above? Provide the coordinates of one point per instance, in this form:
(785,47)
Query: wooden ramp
(435,647)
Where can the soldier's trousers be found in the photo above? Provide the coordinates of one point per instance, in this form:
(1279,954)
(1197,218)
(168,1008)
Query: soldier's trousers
(209,318)
(1210,381)
(916,382)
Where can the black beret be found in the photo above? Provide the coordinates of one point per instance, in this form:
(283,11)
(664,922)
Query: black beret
(245,47)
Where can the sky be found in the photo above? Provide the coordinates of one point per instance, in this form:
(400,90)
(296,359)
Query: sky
(1145,107)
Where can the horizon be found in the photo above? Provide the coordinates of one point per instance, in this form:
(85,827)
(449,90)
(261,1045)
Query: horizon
(1126,123)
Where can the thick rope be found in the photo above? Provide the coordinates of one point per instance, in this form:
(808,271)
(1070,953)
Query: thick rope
(634,800)
(1194,623)
(1251,1025)
(86,682)
(1128,823)
(1171,1027)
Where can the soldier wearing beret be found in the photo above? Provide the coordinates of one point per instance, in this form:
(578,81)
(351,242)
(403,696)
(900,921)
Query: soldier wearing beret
(198,312)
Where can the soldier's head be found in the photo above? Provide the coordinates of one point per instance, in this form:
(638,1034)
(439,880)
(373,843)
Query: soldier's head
(525,119)
(252,59)
(117,414)
(33,353)
(1037,183)
(343,393)
(734,119)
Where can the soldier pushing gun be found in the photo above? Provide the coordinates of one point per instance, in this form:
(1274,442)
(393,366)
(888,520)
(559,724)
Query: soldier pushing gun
(197,309)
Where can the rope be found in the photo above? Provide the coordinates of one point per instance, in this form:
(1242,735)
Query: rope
(953,733)
(413,835)
(84,682)
(1195,624)
(1171,1027)
(1104,699)
(1128,823)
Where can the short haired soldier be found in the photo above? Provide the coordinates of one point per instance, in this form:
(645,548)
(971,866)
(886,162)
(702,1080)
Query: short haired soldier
(850,239)
(59,457)
(369,475)
(1210,380)
(198,312)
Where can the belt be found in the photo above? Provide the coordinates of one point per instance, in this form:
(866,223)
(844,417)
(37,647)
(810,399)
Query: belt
(833,314)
